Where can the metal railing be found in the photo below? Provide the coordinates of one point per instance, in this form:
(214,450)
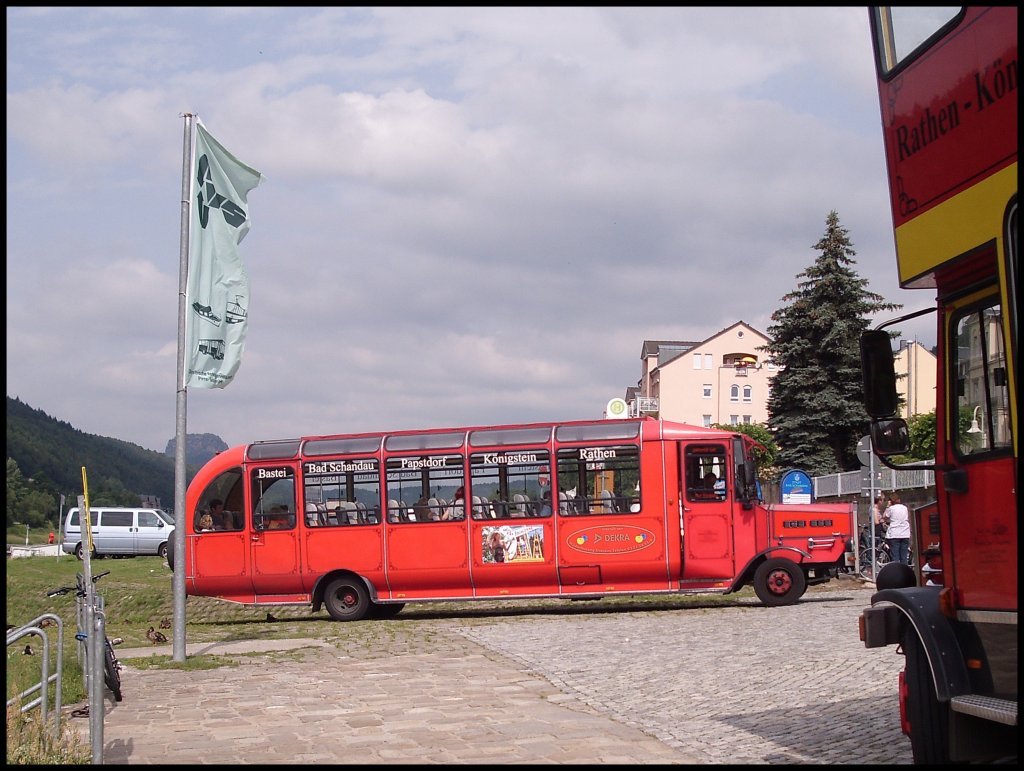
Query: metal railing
(852,482)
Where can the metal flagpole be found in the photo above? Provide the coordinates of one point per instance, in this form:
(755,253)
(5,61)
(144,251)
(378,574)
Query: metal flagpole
(178,547)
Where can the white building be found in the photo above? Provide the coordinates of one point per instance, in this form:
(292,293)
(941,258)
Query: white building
(723,379)
(726,378)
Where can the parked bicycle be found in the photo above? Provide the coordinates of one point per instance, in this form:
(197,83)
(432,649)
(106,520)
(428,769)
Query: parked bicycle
(111,666)
(869,567)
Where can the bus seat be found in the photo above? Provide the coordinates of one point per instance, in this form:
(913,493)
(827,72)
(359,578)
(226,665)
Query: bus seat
(349,514)
(314,516)
(607,504)
(519,505)
(434,508)
(563,503)
(361,511)
(394,512)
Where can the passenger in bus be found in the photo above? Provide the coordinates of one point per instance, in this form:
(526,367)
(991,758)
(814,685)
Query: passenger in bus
(497,547)
(544,504)
(205,523)
(221,519)
(458,508)
(422,509)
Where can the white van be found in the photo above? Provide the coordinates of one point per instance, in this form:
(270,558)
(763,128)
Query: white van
(118,531)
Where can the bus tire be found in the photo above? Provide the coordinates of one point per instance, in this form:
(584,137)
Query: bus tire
(386,609)
(346,599)
(928,717)
(779,581)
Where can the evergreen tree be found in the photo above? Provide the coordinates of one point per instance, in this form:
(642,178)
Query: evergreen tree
(815,408)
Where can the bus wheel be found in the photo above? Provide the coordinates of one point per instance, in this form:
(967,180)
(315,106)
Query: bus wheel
(346,599)
(928,718)
(386,610)
(779,582)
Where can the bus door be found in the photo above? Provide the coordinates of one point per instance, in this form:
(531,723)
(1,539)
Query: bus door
(708,549)
(273,531)
(426,539)
(511,521)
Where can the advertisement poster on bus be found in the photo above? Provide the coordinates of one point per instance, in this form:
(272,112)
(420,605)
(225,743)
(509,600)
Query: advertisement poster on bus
(513,543)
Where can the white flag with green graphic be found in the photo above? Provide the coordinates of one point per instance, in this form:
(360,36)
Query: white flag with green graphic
(217,293)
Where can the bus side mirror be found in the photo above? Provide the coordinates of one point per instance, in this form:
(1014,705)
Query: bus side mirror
(890,437)
(879,374)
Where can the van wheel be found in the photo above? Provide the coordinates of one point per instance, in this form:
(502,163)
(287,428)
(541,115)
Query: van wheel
(779,582)
(162,551)
(80,552)
(346,599)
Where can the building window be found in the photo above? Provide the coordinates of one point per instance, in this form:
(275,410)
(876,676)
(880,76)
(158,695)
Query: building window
(746,420)
(747,391)
(734,393)
(707,390)
(696,361)
(734,420)
(706,421)
(707,361)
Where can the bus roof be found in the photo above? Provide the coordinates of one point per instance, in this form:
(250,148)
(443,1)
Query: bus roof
(457,437)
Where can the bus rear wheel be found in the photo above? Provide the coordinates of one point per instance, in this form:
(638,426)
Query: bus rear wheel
(346,599)
(779,582)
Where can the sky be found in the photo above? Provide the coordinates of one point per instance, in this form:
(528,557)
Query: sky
(469,216)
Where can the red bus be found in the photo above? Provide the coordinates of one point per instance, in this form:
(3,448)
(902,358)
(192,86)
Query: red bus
(947,80)
(362,524)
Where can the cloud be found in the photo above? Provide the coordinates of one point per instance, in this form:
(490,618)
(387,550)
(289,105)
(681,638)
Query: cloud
(470,215)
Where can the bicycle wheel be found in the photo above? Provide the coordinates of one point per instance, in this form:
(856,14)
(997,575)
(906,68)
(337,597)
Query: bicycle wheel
(869,569)
(111,670)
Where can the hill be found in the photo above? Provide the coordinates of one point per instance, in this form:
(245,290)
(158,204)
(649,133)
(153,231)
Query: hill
(51,449)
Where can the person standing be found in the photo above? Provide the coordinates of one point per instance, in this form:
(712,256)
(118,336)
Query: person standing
(898,534)
(878,519)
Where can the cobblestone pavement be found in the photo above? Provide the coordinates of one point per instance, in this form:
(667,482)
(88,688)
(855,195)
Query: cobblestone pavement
(708,685)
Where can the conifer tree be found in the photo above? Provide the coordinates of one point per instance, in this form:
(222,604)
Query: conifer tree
(815,408)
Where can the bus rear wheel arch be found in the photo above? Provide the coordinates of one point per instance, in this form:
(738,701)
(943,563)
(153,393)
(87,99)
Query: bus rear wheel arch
(346,598)
(779,581)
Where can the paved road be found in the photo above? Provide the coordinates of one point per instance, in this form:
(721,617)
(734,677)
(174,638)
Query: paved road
(709,685)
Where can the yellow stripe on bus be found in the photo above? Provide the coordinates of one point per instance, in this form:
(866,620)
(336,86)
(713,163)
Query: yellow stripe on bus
(954,227)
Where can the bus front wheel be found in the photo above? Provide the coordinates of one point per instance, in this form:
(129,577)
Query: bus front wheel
(346,599)
(928,717)
(779,582)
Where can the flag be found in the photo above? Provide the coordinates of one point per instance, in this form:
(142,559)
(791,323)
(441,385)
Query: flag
(217,292)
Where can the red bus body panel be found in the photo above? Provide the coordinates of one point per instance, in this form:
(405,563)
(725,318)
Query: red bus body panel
(558,555)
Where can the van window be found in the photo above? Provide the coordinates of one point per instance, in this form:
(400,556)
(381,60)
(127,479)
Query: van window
(73,520)
(148,519)
(116,519)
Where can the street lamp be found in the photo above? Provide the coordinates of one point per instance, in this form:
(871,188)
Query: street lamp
(975,428)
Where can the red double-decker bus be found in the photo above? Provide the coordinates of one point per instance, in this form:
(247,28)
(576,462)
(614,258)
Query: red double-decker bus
(947,81)
(362,524)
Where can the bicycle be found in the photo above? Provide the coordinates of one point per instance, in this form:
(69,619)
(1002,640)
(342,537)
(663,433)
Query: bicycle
(882,556)
(111,666)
